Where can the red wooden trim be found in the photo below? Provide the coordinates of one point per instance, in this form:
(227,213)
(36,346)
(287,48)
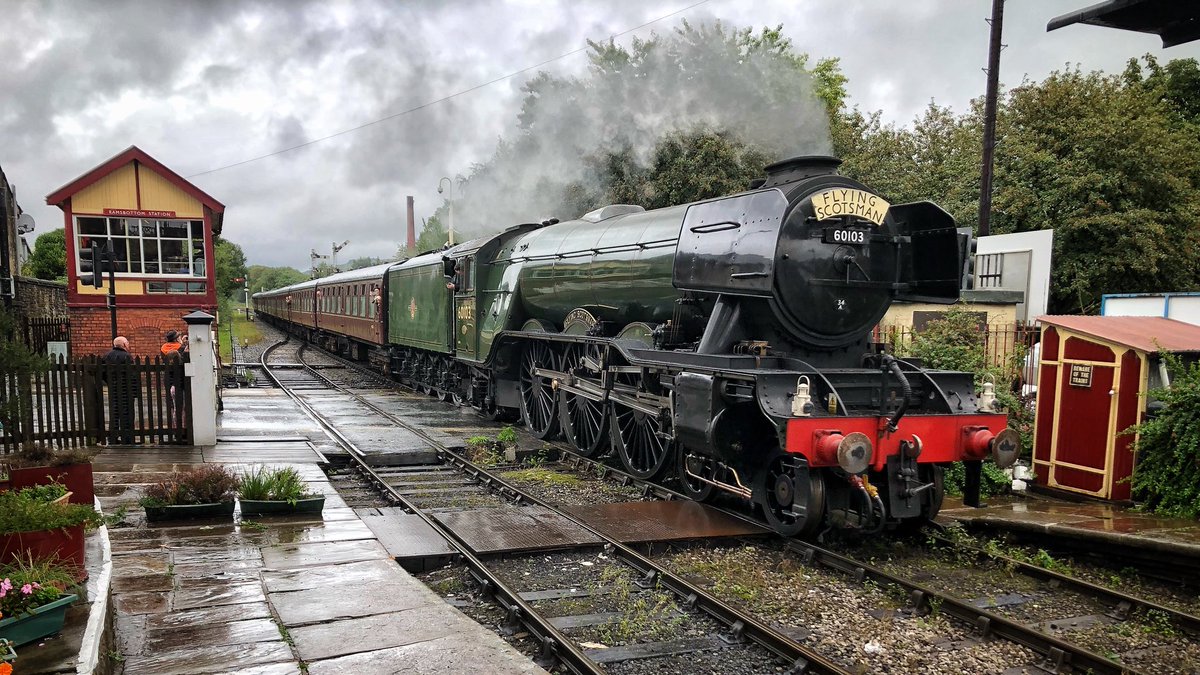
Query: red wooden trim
(137,184)
(130,154)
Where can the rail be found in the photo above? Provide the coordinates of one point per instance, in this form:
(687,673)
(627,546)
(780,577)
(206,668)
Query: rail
(554,642)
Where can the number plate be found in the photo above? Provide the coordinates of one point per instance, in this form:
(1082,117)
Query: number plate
(850,236)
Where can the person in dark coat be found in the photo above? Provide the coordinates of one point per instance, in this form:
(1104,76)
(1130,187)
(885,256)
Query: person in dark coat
(123,387)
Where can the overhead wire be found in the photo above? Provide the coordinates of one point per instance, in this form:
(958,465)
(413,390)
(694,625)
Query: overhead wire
(443,99)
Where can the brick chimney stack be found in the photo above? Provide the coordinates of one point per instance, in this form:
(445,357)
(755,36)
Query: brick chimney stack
(412,228)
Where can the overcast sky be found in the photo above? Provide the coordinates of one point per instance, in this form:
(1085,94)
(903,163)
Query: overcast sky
(202,85)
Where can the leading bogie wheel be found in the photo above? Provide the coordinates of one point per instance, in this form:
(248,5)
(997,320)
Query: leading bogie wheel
(539,400)
(792,497)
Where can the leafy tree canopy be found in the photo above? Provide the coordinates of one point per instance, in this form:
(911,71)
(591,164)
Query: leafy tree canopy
(49,258)
(269,278)
(1110,162)
(230,263)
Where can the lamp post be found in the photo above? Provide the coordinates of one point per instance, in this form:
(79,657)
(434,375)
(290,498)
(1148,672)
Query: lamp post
(450,201)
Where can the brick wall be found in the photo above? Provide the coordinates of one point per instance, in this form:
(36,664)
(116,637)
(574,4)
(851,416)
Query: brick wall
(38,299)
(144,327)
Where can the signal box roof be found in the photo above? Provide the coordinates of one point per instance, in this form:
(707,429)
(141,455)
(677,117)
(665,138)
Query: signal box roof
(1175,21)
(136,154)
(1143,333)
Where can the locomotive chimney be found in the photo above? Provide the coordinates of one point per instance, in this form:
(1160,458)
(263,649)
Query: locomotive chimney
(800,168)
(412,227)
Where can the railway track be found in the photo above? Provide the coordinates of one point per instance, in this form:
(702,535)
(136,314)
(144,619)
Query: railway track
(741,632)
(1057,654)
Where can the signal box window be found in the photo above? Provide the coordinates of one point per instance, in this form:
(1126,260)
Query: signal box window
(143,247)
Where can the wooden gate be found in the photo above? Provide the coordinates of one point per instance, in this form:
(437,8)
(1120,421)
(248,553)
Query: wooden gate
(82,401)
(37,332)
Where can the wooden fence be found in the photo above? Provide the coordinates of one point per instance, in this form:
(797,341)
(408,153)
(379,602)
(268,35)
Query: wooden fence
(82,401)
(1005,345)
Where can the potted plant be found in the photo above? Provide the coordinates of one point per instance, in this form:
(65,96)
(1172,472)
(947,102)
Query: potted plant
(265,492)
(32,525)
(204,492)
(34,599)
(38,463)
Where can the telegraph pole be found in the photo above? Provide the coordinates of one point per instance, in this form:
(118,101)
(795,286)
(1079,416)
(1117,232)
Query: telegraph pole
(989,118)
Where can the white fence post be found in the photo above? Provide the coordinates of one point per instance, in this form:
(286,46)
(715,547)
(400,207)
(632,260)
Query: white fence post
(201,371)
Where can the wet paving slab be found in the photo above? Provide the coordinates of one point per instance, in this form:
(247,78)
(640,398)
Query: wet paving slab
(287,556)
(205,659)
(1099,523)
(219,595)
(433,657)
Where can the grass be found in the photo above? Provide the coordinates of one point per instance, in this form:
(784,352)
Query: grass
(245,332)
(540,476)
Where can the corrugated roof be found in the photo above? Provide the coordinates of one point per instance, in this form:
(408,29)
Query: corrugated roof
(1143,333)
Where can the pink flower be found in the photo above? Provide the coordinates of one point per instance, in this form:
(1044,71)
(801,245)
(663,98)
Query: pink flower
(5,585)
(27,589)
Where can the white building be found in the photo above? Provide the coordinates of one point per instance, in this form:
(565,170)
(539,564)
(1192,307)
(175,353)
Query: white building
(1017,262)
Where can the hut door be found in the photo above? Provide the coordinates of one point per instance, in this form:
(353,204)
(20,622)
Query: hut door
(465,345)
(1080,458)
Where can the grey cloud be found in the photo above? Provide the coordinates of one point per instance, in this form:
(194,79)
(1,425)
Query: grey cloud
(213,83)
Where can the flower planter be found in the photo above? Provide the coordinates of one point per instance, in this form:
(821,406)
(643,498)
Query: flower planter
(45,620)
(189,511)
(257,507)
(64,544)
(76,477)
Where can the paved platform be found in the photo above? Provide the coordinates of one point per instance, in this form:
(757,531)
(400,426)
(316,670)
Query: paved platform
(1102,524)
(317,594)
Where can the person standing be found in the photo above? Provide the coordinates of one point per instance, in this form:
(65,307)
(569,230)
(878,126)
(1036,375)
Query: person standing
(174,355)
(123,387)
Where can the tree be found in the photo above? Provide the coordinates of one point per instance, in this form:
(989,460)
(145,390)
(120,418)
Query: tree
(1111,163)
(361,262)
(49,258)
(262,277)
(230,263)
(433,234)
(1109,166)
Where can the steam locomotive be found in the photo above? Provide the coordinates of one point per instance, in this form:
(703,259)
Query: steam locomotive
(726,342)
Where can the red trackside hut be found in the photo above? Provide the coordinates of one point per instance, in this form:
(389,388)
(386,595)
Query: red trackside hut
(161,227)
(1092,380)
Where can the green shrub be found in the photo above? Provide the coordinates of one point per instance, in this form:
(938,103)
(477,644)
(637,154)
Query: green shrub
(507,435)
(26,511)
(282,485)
(953,342)
(207,484)
(993,481)
(46,493)
(1167,476)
